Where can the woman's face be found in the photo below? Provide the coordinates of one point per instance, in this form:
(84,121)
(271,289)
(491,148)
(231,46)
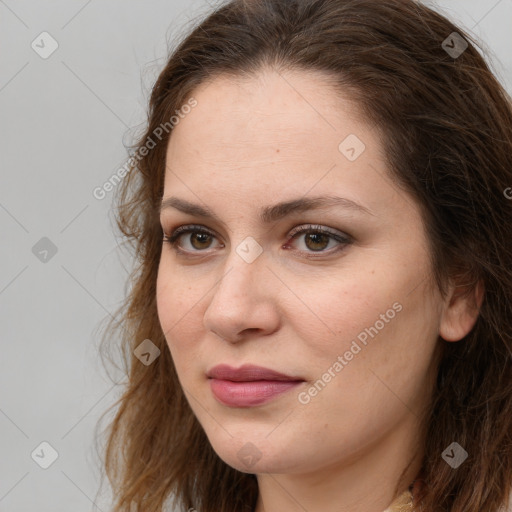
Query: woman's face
(350,316)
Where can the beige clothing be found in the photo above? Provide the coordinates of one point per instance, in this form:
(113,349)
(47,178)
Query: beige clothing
(404,503)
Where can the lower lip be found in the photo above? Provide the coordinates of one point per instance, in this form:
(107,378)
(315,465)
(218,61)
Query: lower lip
(248,394)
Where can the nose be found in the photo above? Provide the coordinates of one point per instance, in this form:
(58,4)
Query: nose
(243,304)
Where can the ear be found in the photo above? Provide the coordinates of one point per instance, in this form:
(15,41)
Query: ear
(461,310)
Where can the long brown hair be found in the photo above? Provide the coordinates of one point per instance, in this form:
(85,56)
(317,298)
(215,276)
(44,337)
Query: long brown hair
(446,126)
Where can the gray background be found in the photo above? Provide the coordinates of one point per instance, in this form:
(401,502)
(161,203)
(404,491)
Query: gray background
(64,120)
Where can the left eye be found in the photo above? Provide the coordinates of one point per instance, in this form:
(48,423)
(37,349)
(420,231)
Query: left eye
(317,238)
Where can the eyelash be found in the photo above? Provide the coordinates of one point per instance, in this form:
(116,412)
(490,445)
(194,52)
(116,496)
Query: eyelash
(173,238)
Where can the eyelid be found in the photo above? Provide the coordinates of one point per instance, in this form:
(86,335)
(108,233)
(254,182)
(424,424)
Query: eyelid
(304,228)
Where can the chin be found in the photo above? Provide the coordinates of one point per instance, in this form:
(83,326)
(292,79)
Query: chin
(256,456)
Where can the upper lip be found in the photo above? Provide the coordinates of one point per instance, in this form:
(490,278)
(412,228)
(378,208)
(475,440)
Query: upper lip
(247,373)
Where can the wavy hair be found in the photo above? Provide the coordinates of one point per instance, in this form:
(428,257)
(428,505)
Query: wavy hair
(446,127)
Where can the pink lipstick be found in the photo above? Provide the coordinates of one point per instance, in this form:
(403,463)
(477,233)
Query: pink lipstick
(248,385)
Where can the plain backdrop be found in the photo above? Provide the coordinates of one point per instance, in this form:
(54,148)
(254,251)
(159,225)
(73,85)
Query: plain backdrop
(64,120)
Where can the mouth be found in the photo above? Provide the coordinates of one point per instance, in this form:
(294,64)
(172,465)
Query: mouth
(249,385)
(248,373)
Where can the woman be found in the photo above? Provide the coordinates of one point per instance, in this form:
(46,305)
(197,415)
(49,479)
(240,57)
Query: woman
(322,314)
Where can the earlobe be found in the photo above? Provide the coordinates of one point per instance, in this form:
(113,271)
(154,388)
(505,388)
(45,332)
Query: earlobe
(461,311)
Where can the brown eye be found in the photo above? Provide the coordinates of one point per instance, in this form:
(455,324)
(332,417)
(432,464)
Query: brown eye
(199,238)
(316,241)
(317,238)
(202,240)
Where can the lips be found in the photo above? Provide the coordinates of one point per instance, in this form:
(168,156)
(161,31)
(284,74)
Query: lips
(248,373)
(248,385)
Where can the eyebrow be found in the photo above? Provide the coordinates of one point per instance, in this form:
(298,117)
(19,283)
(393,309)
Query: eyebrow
(272,213)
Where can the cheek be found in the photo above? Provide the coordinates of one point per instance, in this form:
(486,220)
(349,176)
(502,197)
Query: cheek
(376,322)
(177,303)
(167,306)
(176,296)
(335,311)
(378,383)
(387,353)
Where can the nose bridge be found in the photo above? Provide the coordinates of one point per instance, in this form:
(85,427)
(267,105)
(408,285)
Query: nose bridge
(244,268)
(240,298)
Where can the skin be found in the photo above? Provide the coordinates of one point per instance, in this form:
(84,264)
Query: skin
(255,142)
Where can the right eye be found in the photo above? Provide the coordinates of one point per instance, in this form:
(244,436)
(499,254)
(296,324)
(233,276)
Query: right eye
(200,240)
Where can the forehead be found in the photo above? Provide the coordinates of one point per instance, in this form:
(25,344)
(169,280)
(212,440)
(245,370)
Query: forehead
(275,121)
(251,143)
